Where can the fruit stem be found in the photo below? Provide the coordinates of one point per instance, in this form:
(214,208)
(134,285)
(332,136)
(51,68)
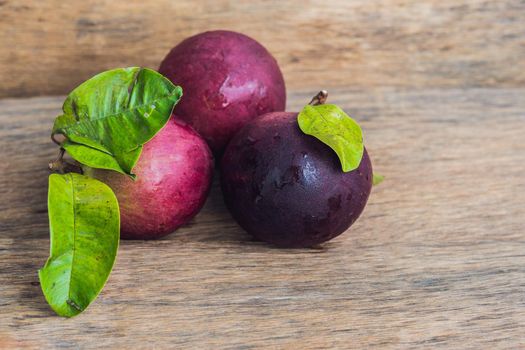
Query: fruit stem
(319,99)
(62,166)
(54,139)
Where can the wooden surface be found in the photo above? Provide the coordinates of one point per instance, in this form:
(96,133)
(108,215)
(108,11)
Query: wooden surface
(437,260)
(48,47)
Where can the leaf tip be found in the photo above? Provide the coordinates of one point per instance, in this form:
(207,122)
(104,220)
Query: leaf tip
(377,179)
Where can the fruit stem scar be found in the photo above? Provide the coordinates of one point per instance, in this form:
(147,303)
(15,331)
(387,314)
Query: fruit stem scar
(319,99)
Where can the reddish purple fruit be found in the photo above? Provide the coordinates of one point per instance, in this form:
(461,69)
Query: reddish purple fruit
(228,79)
(174,173)
(287,188)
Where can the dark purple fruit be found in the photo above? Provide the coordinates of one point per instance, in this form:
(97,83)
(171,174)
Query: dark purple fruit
(287,188)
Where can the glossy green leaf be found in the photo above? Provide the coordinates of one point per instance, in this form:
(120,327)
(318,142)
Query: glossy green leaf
(113,114)
(84,227)
(377,179)
(95,158)
(331,125)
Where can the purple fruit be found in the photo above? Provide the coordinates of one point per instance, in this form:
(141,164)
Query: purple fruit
(173,179)
(228,79)
(287,188)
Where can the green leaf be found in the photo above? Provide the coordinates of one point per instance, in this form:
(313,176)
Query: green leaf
(331,125)
(94,158)
(84,226)
(113,114)
(377,179)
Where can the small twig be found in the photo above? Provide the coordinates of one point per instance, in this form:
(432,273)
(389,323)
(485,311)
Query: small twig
(54,140)
(57,164)
(62,166)
(319,99)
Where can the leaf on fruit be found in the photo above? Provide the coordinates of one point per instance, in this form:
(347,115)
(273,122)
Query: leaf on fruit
(113,114)
(94,158)
(331,125)
(84,227)
(377,179)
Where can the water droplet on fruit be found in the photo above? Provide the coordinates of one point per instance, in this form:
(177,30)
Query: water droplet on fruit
(258,199)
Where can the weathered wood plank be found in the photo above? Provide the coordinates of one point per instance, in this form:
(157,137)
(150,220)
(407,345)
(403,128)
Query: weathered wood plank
(437,259)
(48,47)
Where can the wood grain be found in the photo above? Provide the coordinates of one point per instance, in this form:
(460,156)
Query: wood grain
(437,260)
(49,47)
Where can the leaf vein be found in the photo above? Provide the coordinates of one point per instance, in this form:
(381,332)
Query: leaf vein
(131,87)
(73,195)
(91,120)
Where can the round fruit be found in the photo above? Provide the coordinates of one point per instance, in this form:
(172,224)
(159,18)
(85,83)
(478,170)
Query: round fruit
(287,188)
(173,172)
(228,79)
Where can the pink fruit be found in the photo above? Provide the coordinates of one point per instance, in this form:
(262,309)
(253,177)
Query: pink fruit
(174,173)
(228,79)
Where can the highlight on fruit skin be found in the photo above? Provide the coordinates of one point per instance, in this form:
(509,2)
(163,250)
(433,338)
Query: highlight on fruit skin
(228,79)
(287,188)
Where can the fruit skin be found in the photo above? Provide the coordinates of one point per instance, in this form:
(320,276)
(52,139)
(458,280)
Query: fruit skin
(174,174)
(228,79)
(287,188)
